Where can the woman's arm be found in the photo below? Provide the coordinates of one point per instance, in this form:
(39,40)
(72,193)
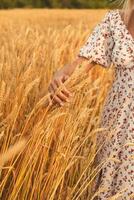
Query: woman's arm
(69,68)
(61,75)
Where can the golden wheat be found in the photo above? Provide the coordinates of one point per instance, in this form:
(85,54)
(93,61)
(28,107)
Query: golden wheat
(57,162)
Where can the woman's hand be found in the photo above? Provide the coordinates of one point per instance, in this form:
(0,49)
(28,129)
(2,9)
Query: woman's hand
(63,95)
(61,76)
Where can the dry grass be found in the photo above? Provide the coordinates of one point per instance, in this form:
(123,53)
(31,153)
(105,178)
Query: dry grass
(56,162)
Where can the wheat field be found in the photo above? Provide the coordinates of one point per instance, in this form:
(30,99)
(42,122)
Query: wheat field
(47,152)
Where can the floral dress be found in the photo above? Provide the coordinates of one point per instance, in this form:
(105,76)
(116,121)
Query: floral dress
(111,43)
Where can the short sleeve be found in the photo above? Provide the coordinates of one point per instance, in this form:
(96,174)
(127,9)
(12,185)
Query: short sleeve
(99,45)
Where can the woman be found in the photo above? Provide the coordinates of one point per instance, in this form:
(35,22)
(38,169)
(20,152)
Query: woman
(111,42)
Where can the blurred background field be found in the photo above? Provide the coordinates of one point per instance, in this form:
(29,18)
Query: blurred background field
(56,162)
(55,3)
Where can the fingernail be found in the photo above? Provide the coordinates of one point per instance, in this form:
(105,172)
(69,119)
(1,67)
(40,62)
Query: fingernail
(61,104)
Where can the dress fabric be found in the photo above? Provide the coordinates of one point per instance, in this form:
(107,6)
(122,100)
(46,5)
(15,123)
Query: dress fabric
(110,42)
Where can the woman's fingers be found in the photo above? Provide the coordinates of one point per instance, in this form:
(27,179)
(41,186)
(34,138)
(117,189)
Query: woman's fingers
(53,86)
(67,92)
(64,89)
(61,97)
(57,99)
(53,96)
(63,94)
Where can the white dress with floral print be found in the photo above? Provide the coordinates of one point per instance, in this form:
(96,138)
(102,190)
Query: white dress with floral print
(111,43)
